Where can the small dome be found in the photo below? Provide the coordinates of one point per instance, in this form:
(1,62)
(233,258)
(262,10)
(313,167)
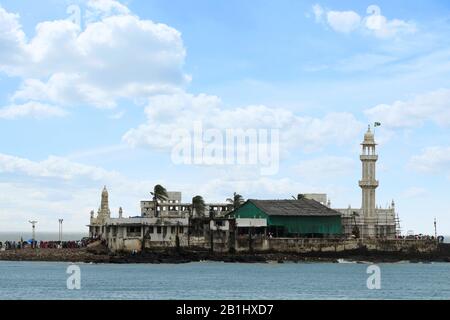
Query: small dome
(369,137)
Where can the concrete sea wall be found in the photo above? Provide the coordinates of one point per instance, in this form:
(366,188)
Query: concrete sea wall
(287,245)
(302,245)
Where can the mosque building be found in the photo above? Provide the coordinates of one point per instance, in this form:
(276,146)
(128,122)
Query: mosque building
(170,222)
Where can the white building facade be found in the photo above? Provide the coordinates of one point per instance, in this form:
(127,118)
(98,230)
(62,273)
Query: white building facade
(174,207)
(163,227)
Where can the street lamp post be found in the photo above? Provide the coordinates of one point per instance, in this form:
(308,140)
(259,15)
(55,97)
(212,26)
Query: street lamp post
(435,229)
(60,229)
(33,223)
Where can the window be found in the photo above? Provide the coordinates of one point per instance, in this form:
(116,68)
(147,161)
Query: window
(180,229)
(220,223)
(134,231)
(150,229)
(158,229)
(172,229)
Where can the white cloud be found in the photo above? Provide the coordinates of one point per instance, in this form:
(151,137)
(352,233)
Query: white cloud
(117,56)
(374,23)
(104,8)
(364,62)
(432,160)
(326,168)
(31,109)
(12,39)
(384,28)
(269,188)
(65,89)
(97,152)
(433,106)
(415,192)
(167,113)
(59,188)
(343,21)
(53,167)
(118,115)
(318,12)
(63,170)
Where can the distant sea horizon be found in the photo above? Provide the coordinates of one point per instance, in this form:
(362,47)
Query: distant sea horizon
(41,236)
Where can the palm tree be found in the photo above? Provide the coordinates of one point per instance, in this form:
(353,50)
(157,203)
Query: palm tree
(159,194)
(198,206)
(237,200)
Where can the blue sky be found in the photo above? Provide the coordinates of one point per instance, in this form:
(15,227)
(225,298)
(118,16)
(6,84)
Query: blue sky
(86,105)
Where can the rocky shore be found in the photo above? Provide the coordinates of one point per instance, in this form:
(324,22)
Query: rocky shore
(101,255)
(54,255)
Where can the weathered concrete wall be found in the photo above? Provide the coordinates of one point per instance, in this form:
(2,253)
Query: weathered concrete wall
(301,245)
(168,242)
(222,243)
(257,243)
(135,244)
(198,242)
(132,245)
(401,245)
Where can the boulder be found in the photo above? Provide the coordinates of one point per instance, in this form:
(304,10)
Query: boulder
(97,247)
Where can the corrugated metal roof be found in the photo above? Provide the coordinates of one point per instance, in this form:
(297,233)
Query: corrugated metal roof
(300,207)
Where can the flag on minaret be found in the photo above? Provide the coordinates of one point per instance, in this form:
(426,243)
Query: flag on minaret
(377,124)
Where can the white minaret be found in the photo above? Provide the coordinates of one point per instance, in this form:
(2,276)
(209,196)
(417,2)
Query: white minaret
(103,211)
(368,184)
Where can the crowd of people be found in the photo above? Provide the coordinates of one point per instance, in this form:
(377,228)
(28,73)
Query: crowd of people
(421,237)
(62,244)
(13,245)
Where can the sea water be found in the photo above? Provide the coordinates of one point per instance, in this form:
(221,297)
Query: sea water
(212,280)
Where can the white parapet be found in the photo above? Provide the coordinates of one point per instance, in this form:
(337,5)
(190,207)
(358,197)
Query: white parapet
(246,222)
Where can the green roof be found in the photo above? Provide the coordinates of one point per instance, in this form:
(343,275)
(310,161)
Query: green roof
(300,207)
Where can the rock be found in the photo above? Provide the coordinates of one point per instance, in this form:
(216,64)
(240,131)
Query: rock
(97,248)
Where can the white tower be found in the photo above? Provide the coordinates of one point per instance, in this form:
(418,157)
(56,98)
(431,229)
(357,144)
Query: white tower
(368,184)
(103,211)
